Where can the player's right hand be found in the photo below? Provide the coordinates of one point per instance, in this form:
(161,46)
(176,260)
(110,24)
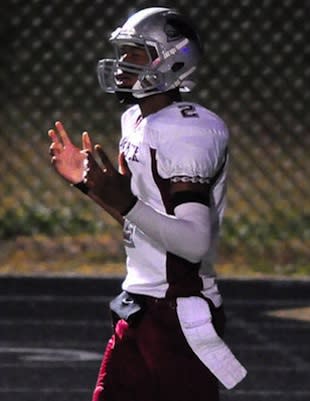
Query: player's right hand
(68,160)
(106,184)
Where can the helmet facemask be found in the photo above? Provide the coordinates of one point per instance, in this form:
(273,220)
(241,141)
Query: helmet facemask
(148,79)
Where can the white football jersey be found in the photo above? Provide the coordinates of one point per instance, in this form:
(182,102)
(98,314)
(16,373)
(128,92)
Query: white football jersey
(183,141)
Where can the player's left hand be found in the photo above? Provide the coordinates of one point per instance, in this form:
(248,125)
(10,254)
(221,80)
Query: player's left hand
(67,159)
(107,184)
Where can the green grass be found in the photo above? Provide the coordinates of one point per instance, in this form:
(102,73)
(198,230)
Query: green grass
(47,241)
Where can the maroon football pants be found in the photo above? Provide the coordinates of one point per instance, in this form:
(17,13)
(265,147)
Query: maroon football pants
(151,361)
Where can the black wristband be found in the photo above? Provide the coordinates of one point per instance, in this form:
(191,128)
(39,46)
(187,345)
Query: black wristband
(82,187)
(131,205)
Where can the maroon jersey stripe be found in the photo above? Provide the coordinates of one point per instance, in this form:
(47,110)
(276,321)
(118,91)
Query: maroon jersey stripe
(182,275)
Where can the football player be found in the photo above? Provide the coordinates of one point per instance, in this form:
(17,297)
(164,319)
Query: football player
(169,196)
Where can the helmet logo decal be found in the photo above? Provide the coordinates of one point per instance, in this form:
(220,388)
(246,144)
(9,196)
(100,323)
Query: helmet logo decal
(175,49)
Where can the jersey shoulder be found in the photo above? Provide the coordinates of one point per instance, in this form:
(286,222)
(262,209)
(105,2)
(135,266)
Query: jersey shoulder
(189,139)
(182,115)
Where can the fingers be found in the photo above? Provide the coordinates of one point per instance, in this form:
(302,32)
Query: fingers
(90,162)
(54,161)
(62,133)
(94,170)
(53,136)
(122,165)
(61,137)
(104,158)
(86,142)
(55,148)
(91,170)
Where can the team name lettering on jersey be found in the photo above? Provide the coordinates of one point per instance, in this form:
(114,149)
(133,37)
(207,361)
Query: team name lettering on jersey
(130,150)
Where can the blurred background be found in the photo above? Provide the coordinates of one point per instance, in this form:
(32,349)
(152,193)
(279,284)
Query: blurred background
(254,74)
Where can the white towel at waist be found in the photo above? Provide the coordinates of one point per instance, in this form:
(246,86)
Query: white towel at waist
(196,323)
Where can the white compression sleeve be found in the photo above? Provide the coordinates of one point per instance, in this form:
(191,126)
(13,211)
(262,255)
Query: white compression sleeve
(186,234)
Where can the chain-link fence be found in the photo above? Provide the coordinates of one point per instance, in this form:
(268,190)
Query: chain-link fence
(254,74)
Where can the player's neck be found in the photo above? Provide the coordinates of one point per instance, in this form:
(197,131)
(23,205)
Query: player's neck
(154,103)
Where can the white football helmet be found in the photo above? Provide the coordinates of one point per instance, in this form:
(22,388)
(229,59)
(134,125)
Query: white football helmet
(172,46)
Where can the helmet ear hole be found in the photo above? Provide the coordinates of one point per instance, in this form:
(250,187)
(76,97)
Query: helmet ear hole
(177,66)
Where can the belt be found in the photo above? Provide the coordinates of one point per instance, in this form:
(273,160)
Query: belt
(152,301)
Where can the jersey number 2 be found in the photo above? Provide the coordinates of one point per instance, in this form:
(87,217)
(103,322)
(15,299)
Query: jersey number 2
(188,110)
